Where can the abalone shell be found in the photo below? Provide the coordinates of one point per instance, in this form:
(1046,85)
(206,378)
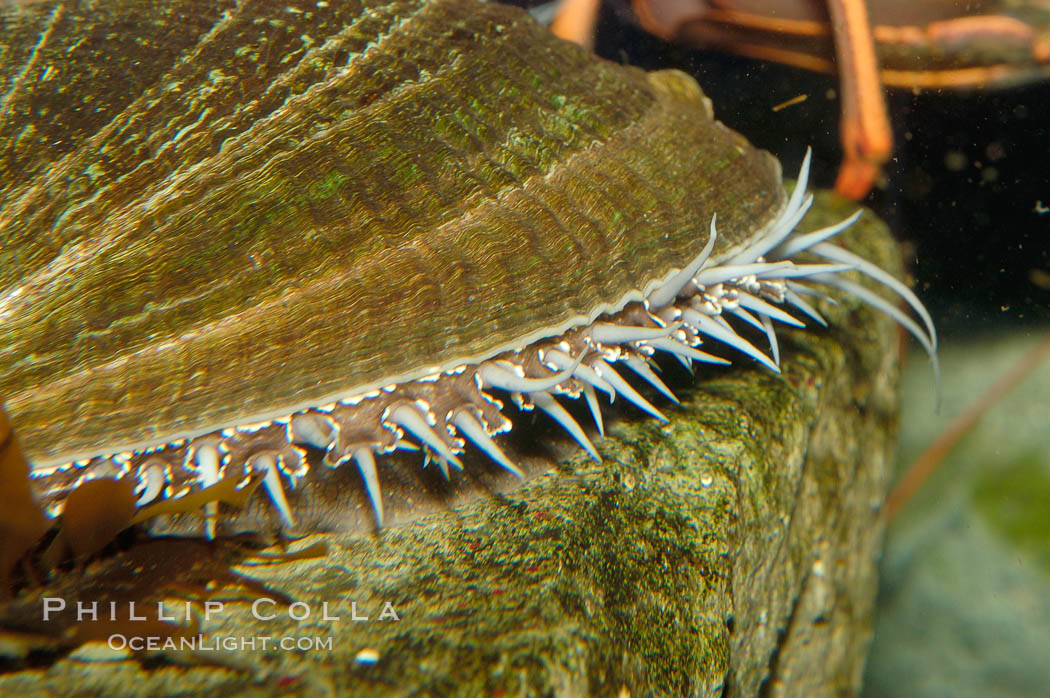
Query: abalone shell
(232,230)
(212,218)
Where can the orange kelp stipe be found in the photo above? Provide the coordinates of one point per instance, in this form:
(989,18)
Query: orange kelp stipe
(97,510)
(94,514)
(225,491)
(22,520)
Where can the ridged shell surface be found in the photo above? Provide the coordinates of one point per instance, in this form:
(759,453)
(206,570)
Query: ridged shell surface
(213,213)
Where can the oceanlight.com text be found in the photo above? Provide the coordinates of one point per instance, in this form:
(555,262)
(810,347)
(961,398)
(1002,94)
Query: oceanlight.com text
(227,643)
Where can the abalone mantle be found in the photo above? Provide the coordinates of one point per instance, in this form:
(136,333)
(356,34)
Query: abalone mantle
(215,216)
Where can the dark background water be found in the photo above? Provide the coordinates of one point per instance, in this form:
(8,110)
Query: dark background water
(970,169)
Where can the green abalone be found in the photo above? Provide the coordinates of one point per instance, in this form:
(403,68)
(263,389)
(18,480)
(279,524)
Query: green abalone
(229,232)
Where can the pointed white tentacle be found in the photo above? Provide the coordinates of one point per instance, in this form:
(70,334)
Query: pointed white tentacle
(722,274)
(794,297)
(799,271)
(768,309)
(797,206)
(667,291)
(712,329)
(582,371)
(606,333)
(879,303)
(471,428)
(409,418)
(624,388)
(685,352)
(366,465)
(745,316)
(776,235)
(771,335)
(547,403)
(836,253)
(267,463)
(312,430)
(642,368)
(803,242)
(207,460)
(442,464)
(497,376)
(594,407)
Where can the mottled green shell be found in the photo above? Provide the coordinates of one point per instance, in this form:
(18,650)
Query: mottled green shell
(211,214)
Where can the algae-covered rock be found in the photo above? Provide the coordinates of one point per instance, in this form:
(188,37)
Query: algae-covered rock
(729,551)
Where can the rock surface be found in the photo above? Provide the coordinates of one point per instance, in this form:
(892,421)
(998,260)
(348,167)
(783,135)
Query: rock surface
(729,552)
